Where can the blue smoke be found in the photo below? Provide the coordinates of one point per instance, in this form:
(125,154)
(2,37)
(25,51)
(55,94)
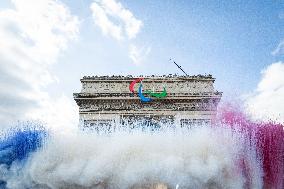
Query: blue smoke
(18,144)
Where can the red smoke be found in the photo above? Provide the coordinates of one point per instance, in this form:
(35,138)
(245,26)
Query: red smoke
(269,139)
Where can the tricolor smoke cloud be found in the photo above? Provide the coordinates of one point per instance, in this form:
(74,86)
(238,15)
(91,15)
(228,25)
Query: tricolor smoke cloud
(202,158)
(233,154)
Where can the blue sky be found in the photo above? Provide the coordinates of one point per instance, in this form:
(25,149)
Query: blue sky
(232,40)
(48,45)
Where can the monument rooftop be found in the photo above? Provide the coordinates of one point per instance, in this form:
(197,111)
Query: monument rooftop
(127,77)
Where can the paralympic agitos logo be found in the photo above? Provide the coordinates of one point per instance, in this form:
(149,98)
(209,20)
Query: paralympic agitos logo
(149,93)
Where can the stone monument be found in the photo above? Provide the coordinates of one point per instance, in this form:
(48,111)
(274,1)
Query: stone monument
(108,100)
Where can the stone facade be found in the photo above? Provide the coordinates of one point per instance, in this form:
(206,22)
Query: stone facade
(105,100)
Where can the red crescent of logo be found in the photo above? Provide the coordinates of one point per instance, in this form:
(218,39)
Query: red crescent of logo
(131,86)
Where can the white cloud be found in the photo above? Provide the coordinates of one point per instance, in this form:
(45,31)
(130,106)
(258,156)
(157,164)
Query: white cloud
(33,33)
(102,20)
(137,55)
(115,20)
(60,113)
(267,102)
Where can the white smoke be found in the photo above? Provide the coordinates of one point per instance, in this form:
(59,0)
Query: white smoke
(199,158)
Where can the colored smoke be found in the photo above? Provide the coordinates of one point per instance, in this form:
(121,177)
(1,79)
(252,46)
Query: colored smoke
(15,147)
(269,138)
(232,153)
